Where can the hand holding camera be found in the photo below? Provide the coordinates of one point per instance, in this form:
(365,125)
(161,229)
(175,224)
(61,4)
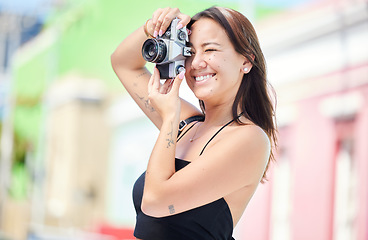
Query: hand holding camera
(168,49)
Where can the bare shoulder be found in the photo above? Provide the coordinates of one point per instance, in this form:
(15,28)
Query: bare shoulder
(250,132)
(239,152)
(249,140)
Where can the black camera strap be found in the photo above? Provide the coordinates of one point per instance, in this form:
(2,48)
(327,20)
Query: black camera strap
(184,123)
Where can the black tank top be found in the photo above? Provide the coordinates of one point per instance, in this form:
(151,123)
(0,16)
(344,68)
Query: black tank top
(212,221)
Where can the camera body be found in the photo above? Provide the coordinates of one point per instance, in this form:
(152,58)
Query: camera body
(168,51)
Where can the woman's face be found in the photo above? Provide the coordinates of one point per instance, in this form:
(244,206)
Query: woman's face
(215,70)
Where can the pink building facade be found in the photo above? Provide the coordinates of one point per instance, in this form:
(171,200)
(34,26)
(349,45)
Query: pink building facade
(318,187)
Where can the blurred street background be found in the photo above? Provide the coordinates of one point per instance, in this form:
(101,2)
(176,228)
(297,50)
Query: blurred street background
(73,142)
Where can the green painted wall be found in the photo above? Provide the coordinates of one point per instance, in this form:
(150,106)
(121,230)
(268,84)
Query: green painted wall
(84,36)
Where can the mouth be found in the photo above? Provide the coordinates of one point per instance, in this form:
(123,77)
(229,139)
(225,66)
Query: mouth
(204,77)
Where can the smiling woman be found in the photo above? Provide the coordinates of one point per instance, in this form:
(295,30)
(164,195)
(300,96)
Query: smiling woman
(214,60)
(198,185)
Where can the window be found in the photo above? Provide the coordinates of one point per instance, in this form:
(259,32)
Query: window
(281,198)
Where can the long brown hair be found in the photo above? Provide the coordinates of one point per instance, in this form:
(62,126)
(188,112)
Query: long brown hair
(253,97)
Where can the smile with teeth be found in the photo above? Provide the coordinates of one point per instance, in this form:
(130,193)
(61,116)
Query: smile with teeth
(201,78)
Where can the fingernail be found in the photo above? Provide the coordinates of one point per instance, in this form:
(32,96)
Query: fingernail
(179,26)
(181,74)
(160,33)
(155,33)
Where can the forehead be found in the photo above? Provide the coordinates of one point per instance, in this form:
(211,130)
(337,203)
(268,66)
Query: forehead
(207,30)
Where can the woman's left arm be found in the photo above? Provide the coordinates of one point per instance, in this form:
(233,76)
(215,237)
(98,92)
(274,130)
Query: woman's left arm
(233,161)
(161,165)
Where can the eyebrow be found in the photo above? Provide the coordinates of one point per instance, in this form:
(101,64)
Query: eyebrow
(204,44)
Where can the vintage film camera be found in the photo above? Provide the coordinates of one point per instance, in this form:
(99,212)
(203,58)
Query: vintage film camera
(168,51)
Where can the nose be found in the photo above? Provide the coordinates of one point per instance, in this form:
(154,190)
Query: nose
(198,62)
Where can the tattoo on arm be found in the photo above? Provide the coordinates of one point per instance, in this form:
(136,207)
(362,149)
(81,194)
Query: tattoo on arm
(171,209)
(169,139)
(141,74)
(146,103)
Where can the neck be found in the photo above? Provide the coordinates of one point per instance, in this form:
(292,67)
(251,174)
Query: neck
(219,111)
(218,115)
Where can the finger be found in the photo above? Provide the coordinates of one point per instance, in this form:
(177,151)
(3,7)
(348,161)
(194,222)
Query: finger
(156,15)
(156,79)
(173,13)
(160,20)
(177,82)
(165,87)
(184,20)
(154,82)
(171,84)
(150,84)
(155,18)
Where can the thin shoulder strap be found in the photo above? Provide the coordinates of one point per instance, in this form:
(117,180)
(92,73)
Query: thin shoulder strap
(186,131)
(215,135)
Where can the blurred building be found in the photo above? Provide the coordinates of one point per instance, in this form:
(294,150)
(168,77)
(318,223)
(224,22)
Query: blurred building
(318,62)
(16,28)
(88,142)
(77,143)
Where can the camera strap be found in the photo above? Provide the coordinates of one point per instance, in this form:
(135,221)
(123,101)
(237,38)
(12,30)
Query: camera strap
(184,123)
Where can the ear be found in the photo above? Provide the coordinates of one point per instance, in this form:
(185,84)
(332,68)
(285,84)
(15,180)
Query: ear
(247,65)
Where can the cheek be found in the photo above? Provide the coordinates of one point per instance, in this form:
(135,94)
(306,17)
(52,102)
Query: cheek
(214,61)
(211,57)
(188,62)
(189,83)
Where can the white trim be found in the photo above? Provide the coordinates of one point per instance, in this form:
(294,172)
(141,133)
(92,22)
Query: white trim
(342,106)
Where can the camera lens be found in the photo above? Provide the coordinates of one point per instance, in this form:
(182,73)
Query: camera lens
(154,50)
(182,35)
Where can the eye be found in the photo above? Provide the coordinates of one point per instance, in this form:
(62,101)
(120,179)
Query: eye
(210,50)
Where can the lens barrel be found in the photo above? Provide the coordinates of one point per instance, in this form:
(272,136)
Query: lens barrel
(154,50)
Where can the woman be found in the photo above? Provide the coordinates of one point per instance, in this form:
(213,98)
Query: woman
(197,186)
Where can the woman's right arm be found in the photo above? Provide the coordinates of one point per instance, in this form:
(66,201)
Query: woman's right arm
(129,66)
